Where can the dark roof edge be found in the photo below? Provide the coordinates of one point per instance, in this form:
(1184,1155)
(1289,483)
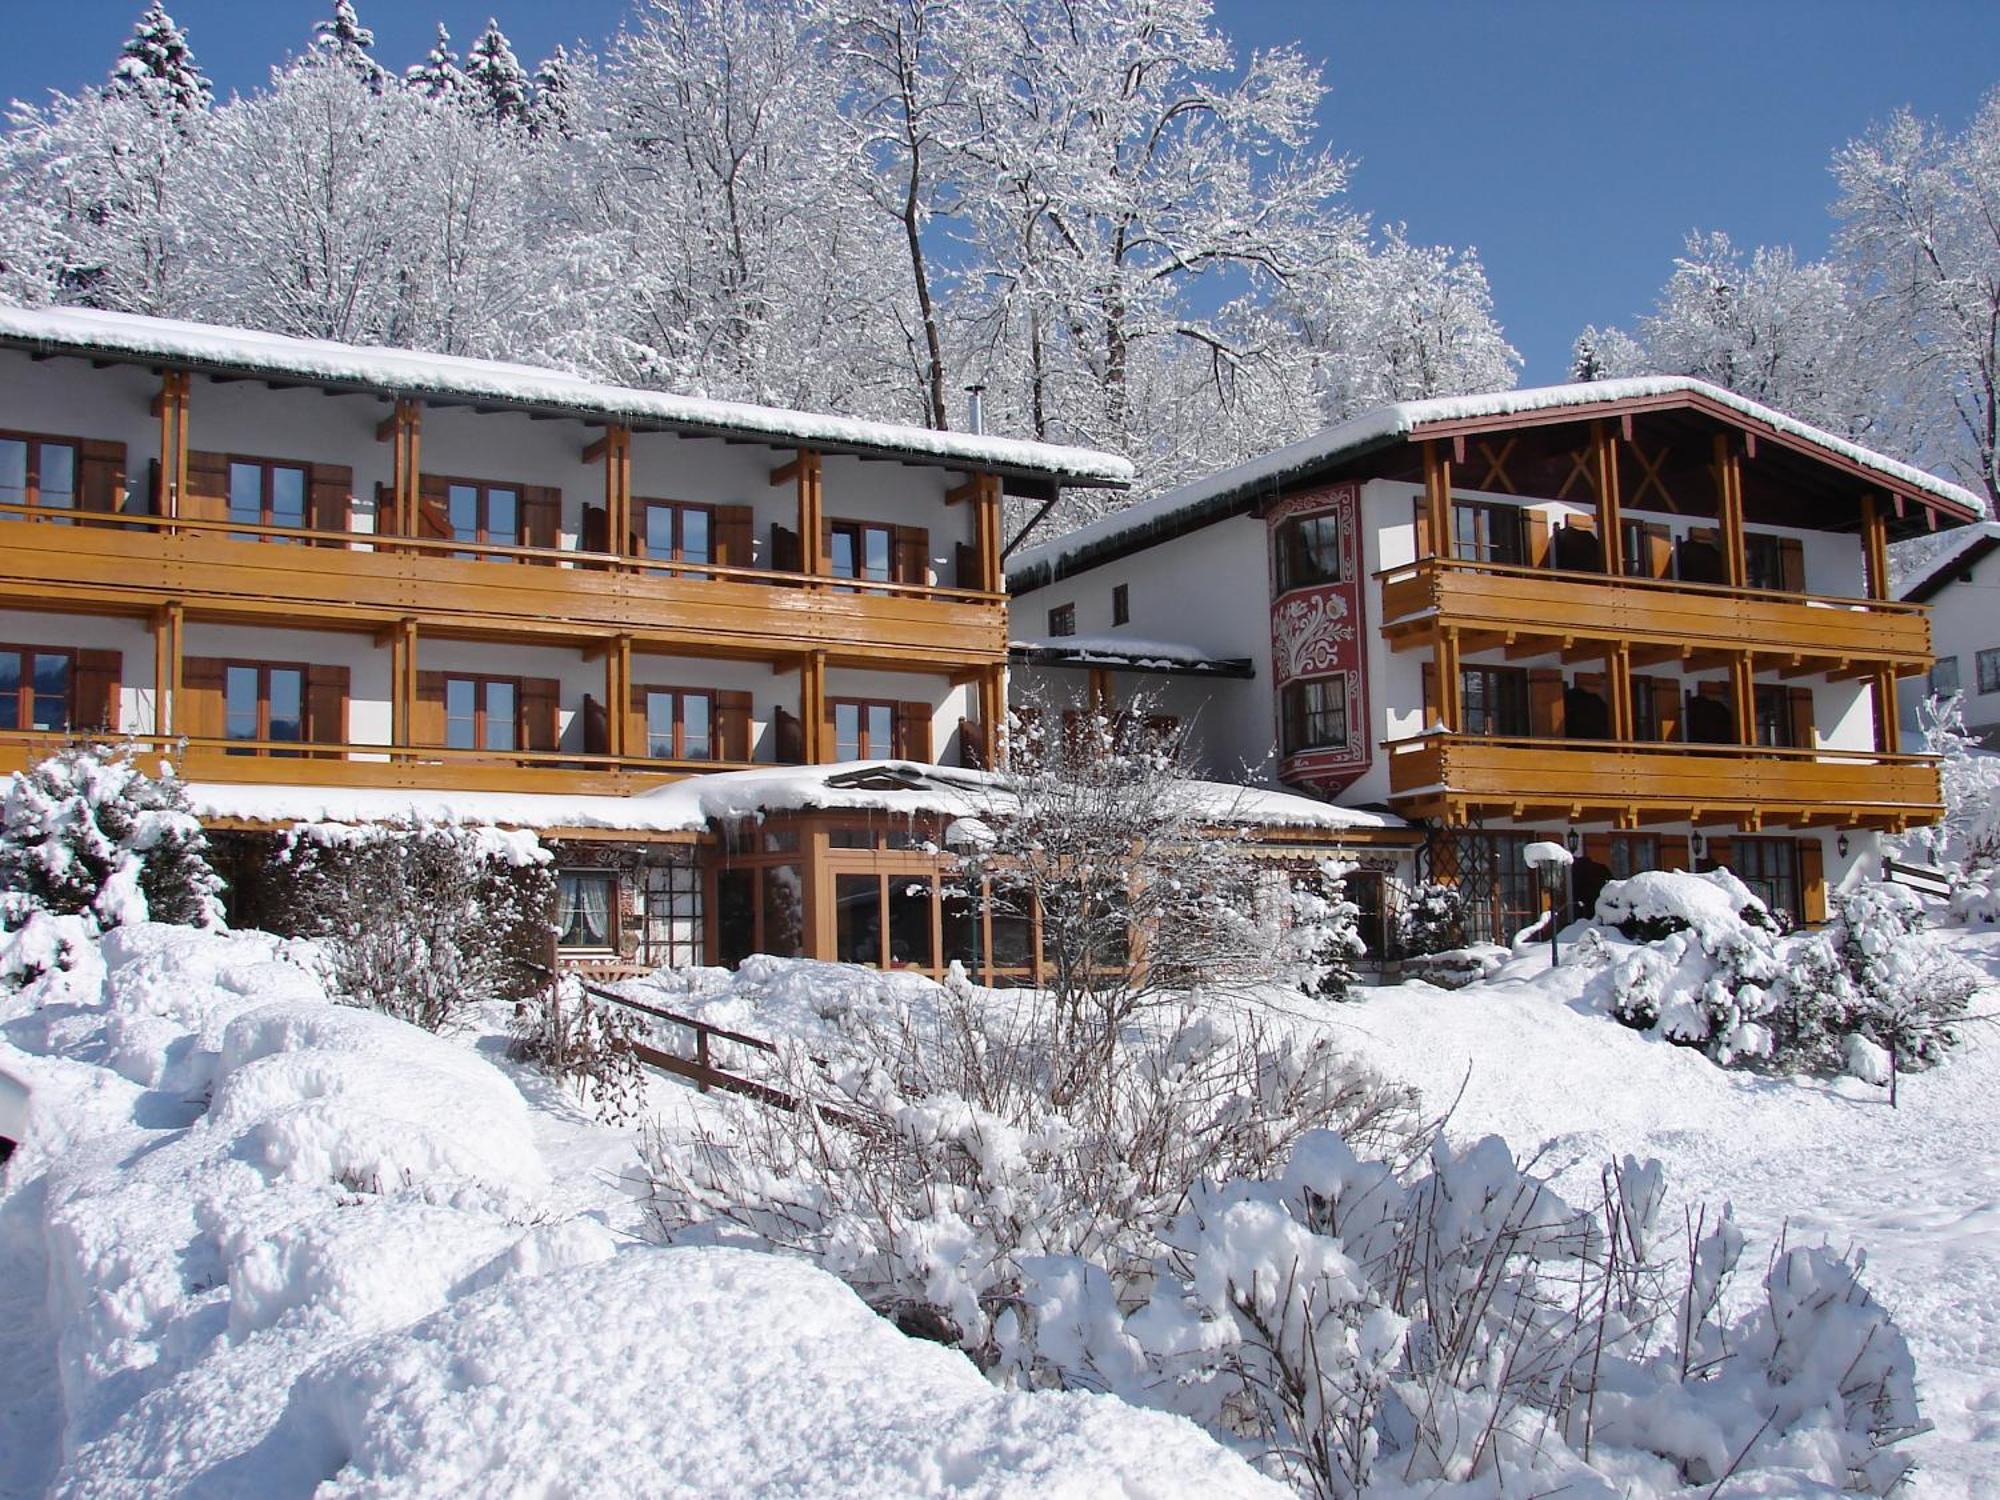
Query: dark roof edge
(1941,577)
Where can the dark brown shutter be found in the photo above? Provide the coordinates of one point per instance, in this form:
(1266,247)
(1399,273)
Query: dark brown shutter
(596,534)
(199,713)
(326,705)
(427,722)
(972,745)
(1812,880)
(1799,704)
(1421,515)
(1597,848)
(966,560)
(332,500)
(207,497)
(1673,852)
(541,713)
(1545,703)
(1538,538)
(102,481)
(732,723)
(913,731)
(1791,565)
(596,727)
(913,557)
(97,689)
(791,737)
(541,516)
(433,507)
(735,528)
(1667,707)
(785,554)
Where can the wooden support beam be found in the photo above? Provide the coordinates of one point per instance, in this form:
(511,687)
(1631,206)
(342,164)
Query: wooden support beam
(1743,698)
(1610,518)
(168,623)
(1875,547)
(812,708)
(966,491)
(993,715)
(615,448)
(1888,734)
(1446,668)
(1437,498)
(170,405)
(1618,669)
(403,684)
(597,448)
(1100,690)
(403,428)
(987,525)
(788,473)
(618,695)
(1729,508)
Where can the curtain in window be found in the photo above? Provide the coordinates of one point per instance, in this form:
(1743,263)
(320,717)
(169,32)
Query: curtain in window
(586,911)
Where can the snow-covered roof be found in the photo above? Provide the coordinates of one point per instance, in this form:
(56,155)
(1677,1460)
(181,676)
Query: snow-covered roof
(1128,655)
(1232,490)
(1956,551)
(693,804)
(406,372)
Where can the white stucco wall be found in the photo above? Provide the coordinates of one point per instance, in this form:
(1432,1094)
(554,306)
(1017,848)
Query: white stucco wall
(1965,620)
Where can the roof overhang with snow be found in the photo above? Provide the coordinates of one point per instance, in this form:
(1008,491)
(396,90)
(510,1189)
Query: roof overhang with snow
(1033,470)
(1386,443)
(1953,565)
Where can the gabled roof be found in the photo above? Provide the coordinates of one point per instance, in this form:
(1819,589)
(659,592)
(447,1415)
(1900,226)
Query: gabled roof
(1242,487)
(1166,658)
(245,353)
(1964,551)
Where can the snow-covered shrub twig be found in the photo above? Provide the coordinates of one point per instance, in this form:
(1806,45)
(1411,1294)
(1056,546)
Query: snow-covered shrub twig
(566,1033)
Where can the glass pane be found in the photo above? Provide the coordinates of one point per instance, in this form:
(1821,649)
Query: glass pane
(461,705)
(499,732)
(240,703)
(10,690)
(694,536)
(51,692)
(13,473)
(583,915)
(1013,932)
(503,516)
(877,539)
(660,725)
(847,731)
(881,731)
(288,693)
(246,494)
(659,531)
(58,485)
(959,916)
(857,903)
(462,500)
(696,741)
(784,912)
(840,562)
(910,922)
(288,497)
(735,930)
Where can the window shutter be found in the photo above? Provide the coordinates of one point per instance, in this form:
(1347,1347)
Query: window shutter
(972,745)
(913,730)
(199,713)
(1812,880)
(1538,538)
(1791,565)
(1720,852)
(207,497)
(966,562)
(102,481)
(638,733)
(735,529)
(1673,852)
(829,738)
(1659,550)
(1667,707)
(97,689)
(791,734)
(1597,848)
(433,509)
(826,549)
(332,497)
(913,562)
(785,555)
(596,727)
(1800,704)
(427,722)
(541,713)
(596,534)
(541,516)
(732,722)
(1545,703)
(1421,515)
(326,705)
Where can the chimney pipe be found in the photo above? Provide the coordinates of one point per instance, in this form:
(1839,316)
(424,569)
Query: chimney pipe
(975,409)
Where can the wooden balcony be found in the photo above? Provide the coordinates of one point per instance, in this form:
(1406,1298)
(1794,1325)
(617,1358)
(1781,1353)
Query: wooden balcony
(268,575)
(1457,777)
(1535,610)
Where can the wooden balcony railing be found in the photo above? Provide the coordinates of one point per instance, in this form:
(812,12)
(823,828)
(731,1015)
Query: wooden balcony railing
(1531,606)
(232,570)
(1451,776)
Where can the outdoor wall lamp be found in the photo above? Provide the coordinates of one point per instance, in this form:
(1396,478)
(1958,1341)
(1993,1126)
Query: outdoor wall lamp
(1840,846)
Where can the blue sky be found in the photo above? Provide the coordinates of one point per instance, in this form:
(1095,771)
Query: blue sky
(1572,143)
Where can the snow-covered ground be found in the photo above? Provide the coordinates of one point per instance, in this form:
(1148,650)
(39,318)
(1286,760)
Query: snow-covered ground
(1917,1187)
(259,1245)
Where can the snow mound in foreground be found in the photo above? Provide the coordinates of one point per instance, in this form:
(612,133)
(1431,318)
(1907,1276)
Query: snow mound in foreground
(276,1246)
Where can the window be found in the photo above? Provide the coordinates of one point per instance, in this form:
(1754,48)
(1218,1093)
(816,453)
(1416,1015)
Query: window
(586,909)
(1309,551)
(679,533)
(486,513)
(35,689)
(680,725)
(1770,867)
(1633,854)
(673,933)
(482,713)
(1062,620)
(1486,533)
(1494,700)
(37,471)
(1121,604)
(266,494)
(263,702)
(1645,711)
(1772,707)
(860,550)
(1944,676)
(1988,663)
(1763,564)
(1316,714)
(863,730)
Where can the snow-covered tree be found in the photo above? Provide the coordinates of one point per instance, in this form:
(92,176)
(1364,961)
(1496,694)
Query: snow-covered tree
(438,76)
(552,107)
(343,40)
(1605,354)
(157,64)
(498,83)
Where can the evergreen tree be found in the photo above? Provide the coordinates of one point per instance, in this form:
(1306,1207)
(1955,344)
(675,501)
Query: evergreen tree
(438,76)
(552,107)
(499,83)
(156,63)
(344,40)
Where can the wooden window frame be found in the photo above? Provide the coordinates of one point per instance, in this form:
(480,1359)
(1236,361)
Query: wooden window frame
(24,692)
(679,509)
(864,751)
(858,531)
(680,695)
(611,912)
(482,680)
(1786,850)
(1488,511)
(1062,621)
(1290,551)
(483,488)
(1121,604)
(1292,718)
(263,669)
(31,479)
(264,511)
(1494,674)
(1931,682)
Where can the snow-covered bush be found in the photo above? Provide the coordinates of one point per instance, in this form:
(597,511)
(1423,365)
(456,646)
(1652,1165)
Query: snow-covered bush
(566,1033)
(86,833)
(1432,921)
(419,921)
(1965,845)
(1325,927)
